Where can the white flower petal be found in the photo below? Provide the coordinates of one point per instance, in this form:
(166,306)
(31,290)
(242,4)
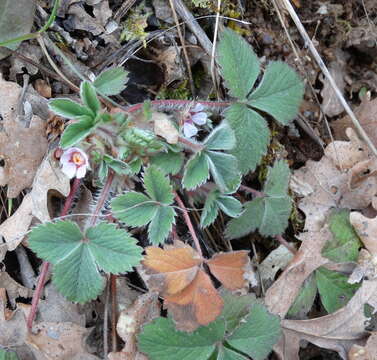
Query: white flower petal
(189,130)
(81,171)
(69,169)
(198,107)
(199,118)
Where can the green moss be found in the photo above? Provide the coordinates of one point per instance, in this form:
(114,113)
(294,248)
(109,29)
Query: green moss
(136,23)
(180,93)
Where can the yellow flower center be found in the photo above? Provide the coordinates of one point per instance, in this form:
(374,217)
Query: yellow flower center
(78,159)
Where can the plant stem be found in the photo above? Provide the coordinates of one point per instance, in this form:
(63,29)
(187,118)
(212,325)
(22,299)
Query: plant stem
(102,197)
(252,191)
(191,145)
(180,104)
(45,266)
(188,223)
(114,312)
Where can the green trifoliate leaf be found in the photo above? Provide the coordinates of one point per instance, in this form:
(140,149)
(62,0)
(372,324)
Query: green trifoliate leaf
(210,210)
(257,333)
(196,171)
(221,138)
(235,308)
(134,208)
(63,237)
(89,97)
(77,132)
(305,299)
(169,162)
(111,81)
(224,170)
(277,179)
(137,209)
(238,62)
(77,276)
(161,224)
(228,354)
(161,341)
(270,213)
(344,245)
(119,166)
(279,93)
(215,201)
(8,355)
(157,185)
(334,290)
(252,135)
(229,205)
(78,258)
(69,109)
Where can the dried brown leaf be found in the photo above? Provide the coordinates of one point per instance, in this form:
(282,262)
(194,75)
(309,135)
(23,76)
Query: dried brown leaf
(366,228)
(229,268)
(144,309)
(338,331)
(367,352)
(170,270)
(23,150)
(59,341)
(326,184)
(281,295)
(198,304)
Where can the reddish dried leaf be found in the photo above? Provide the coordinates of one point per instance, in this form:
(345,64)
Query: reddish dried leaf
(230,268)
(170,270)
(198,304)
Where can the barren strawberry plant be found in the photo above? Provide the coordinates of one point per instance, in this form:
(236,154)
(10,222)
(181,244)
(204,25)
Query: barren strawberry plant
(178,227)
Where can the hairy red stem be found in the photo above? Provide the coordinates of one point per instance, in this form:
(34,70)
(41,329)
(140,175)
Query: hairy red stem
(45,266)
(188,223)
(179,104)
(102,197)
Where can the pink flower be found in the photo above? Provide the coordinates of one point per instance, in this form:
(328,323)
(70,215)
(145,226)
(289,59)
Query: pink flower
(195,116)
(74,162)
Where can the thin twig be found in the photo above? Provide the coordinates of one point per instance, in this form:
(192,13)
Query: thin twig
(213,52)
(327,74)
(188,223)
(53,65)
(114,312)
(182,40)
(106,321)
(45,266)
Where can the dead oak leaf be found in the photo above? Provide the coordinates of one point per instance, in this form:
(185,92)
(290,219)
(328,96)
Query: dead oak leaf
(326,184)
(23,150)
(176,273)
(59,341)
(367,352)
(338,331)
(281,295)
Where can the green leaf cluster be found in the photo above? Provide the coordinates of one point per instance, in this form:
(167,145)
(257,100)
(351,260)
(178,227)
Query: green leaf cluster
(333,287)
(245,327)
(88,115)
(278,94)
(216,201)
(78,258)
(211,160)
(268,213)
(153,209)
